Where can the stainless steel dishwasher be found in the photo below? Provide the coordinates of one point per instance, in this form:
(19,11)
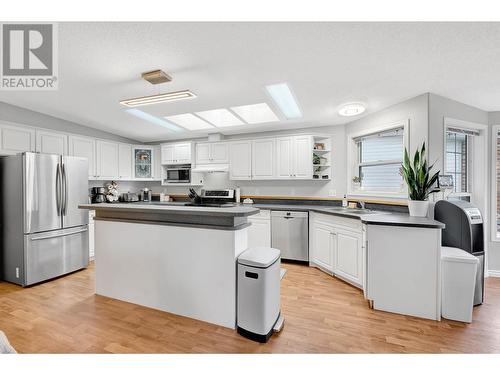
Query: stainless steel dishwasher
(290,234)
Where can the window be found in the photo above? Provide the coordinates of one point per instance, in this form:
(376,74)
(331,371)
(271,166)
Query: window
(379,160)
(457,160)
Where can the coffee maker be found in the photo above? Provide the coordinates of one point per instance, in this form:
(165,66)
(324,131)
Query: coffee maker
(97,195)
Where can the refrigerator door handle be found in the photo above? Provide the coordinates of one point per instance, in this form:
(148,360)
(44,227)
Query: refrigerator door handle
(58,189)
(44,237)
(64,191)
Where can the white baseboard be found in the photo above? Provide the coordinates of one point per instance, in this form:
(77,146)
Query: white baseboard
(493,273)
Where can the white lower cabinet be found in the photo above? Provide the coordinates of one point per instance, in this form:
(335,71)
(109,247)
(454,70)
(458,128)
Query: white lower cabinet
(337,247)
(348,257)
(259,232)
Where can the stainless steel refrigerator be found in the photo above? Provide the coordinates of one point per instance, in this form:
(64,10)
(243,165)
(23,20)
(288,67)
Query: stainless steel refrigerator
(44,233)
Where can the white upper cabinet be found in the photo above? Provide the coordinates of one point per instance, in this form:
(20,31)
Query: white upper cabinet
(212,153)
(157,162)
(240,160)
(84,147)
(176,153)
(284,157)
(302,151)
(220,153)
(107,160)
(16,139)
(124,161)
(51,142)
(263,155)
(294,157)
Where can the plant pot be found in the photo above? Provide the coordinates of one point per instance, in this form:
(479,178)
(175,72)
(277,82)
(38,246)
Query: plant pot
(418,208)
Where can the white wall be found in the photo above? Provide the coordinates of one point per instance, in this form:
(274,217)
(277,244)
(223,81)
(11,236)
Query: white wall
(494,247)
(23,116)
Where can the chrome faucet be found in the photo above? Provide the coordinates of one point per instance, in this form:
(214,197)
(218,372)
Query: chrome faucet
(362,204)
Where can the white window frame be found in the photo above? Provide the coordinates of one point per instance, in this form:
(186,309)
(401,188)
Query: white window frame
(493,217)
(353,164)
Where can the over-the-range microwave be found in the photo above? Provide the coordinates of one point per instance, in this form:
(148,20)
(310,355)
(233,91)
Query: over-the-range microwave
(179,174)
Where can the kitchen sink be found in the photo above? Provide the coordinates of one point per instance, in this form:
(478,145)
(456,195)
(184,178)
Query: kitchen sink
(356,211)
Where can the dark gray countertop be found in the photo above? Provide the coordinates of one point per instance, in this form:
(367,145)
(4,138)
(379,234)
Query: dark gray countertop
(372,218)
(173,208)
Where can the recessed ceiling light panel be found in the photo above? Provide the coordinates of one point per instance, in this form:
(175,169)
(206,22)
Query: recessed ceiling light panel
(352,109)
(160,98)
(220,117)
(189,121)
(256,113)
(153,119)
(285,100)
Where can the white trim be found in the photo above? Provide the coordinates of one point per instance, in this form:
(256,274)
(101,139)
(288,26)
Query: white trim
(352,161)
(492,273)
(493,206)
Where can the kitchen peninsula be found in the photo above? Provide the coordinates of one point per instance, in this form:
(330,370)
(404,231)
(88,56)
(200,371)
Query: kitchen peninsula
(171,257)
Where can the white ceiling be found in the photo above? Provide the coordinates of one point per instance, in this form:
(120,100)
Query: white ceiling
(229,64)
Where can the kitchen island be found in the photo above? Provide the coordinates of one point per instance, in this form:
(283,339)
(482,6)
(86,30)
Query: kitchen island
(171,257)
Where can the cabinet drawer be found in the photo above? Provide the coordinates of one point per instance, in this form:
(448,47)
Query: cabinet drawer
(339,221)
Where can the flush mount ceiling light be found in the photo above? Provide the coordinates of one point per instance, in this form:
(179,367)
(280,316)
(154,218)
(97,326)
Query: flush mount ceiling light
(220,117)
(189,121)
(153,119)
(156,77)
(352,109)
(285,100)
(160,98)
(255,113)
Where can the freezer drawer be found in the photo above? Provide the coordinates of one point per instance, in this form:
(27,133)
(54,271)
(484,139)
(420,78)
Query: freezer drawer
(290,234)
(55,253)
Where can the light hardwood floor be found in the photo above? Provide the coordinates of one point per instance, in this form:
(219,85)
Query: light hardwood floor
(322,315)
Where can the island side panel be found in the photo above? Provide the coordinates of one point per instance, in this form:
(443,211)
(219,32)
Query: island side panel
(404,270)
(183,270)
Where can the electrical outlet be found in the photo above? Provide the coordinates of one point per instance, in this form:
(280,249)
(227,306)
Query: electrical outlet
(17,272)
(332,193)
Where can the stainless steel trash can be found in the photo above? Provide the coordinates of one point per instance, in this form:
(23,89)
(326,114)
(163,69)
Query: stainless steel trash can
(258,292)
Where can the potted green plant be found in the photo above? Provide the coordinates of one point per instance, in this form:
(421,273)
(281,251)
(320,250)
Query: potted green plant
(356,182)
(417,175)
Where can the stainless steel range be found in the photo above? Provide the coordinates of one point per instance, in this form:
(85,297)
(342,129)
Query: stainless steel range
(212,198)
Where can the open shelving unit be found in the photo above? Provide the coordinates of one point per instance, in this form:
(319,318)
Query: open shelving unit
(322,158)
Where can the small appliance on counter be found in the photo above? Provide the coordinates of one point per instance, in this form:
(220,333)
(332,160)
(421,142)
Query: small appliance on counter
(97,195)
(129,197)
(146,195)
(212,198)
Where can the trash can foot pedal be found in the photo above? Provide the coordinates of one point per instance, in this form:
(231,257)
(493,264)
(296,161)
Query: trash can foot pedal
(279,324)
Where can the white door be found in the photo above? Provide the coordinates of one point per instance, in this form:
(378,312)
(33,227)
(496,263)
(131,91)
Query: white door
(182,153)
(16,139)
(124,161)
(167,154)
(51,143)
(263,165)
(323,246)
(85,148)
(219,153)
(348,257)
(284,160)
(202,153)
(107,160)
(302,152)
(240,160)
(259,232)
